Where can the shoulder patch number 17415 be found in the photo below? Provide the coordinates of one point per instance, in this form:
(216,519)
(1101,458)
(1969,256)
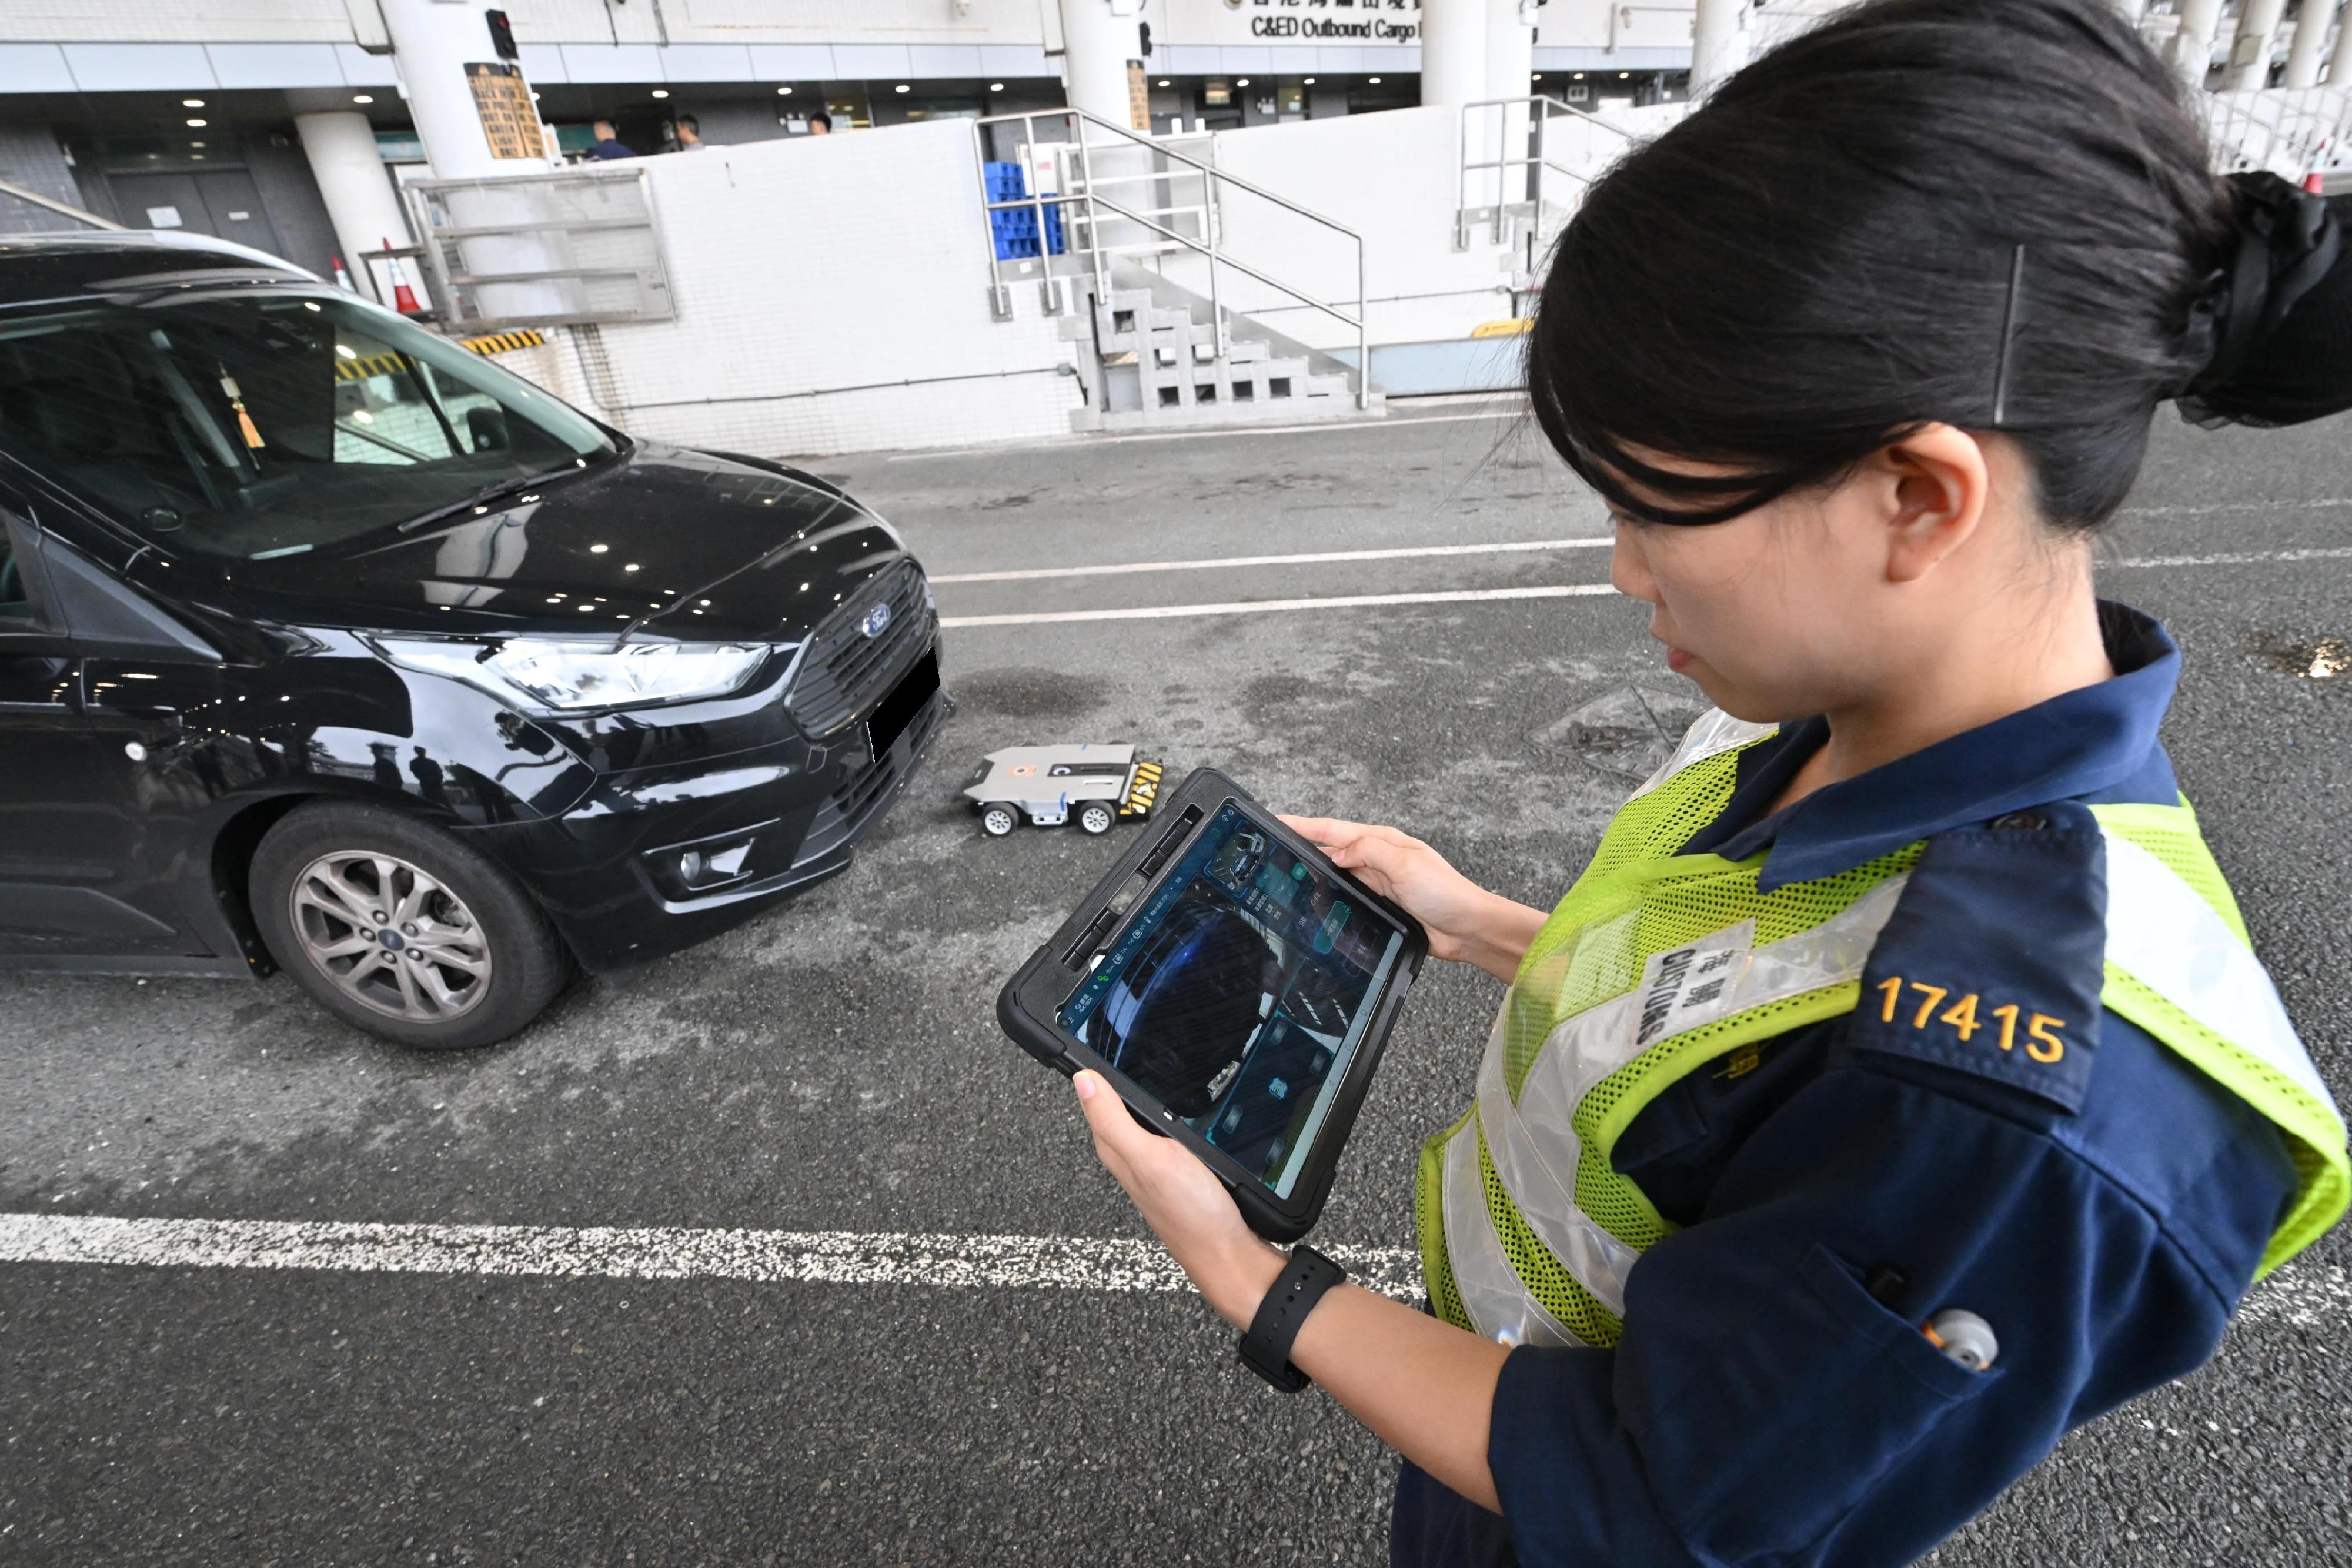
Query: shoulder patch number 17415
(2043,1042)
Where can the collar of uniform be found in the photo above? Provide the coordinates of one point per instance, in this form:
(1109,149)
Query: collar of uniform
(2081,742)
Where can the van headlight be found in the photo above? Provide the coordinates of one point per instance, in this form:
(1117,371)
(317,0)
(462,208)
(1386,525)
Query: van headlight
(566,676)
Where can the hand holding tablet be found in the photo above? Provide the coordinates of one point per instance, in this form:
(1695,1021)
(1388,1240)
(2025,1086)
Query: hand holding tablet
(1235,987)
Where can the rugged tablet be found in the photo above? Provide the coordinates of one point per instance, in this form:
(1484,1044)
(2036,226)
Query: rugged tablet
(1235,987)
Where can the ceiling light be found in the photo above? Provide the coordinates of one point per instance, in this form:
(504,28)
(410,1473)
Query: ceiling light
(661,92)
(1241,82)
(1161,82)
(783,93)
(192,103)
(1623,74)
(1311,81)
(1576,76)
(1374,80)
(196,144)
(900,88)
(195,125)
(1539,75)
(996,87)
(367,98)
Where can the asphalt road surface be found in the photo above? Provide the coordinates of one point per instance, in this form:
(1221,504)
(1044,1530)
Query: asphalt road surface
(861,1376)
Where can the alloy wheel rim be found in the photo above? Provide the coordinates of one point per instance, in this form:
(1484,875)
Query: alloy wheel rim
(391,936)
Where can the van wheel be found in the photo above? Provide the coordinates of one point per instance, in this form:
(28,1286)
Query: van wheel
(396,926)
(997,818)
(1097,816)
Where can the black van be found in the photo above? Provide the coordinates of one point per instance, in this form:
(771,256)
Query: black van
(326,643)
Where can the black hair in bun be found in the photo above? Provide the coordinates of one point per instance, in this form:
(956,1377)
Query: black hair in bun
(1993,213)
(2279,313)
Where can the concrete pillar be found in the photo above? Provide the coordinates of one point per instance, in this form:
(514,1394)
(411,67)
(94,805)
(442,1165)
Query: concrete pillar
(2308,53)
(357,190)
(2192,42)
(1510,66)
(1098,41)
(1718,43)
(433,42)
(2250,56)
(1452,52)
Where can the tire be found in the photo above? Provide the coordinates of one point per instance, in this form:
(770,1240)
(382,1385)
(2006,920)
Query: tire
(998,817)
(322,876)
(1094,817)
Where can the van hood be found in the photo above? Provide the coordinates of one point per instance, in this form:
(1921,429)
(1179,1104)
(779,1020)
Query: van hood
(663,542)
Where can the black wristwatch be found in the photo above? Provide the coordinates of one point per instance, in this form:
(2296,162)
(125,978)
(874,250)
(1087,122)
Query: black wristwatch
(1266,1349)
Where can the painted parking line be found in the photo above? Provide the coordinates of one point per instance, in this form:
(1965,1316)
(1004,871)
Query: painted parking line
(1448,596)
(1261,606)
(818,1257)
(1509,409)
(2301,1294)
(2234,558)
(1316,558)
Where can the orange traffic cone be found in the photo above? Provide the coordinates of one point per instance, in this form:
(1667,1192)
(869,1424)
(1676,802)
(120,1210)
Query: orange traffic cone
(342,279)
(403,298)
(2316,183)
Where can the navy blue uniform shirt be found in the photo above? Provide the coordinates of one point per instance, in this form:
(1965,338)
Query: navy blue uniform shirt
(2103,1213)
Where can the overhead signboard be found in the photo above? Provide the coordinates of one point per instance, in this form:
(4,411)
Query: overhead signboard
(1337,22)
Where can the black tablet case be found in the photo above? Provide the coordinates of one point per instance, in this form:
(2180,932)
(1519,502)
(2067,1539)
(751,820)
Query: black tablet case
(1027,1008)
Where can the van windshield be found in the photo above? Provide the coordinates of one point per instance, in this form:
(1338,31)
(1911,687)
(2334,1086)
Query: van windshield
(267,422)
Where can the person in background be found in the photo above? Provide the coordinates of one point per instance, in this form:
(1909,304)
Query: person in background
(689,134)
(609,143)
(819,125)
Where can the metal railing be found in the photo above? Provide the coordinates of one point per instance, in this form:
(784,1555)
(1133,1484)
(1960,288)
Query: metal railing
(1082,208)
(2291,131)
(1538,111)
(575,248)
(50,203)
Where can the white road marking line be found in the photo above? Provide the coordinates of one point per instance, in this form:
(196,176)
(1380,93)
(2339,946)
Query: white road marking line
(1510,411)
(1449,596)
(2236,558)
(1261,606)
(2305,1295)
(2317,504)
(1315,559)
(819,1257)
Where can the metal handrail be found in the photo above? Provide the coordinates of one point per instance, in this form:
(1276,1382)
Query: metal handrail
(61,208)
(1544,107)
(1536,162)
(1089,197)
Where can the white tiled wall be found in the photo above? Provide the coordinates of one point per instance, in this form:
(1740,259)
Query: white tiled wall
(832,295)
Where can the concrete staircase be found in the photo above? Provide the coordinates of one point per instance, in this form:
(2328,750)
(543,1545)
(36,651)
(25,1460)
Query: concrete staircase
(1155,363)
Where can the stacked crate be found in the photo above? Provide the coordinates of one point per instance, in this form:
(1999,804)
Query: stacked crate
(1014,229)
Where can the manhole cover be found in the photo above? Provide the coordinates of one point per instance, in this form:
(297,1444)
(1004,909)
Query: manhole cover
(2307,658)
(1627,732)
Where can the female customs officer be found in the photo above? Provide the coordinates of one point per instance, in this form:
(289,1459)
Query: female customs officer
(1896,1089)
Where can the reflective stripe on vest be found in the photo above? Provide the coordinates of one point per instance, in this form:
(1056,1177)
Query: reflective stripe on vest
(1529,1233)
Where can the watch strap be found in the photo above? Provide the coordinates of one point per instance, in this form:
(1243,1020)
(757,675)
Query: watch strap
(1265,1348)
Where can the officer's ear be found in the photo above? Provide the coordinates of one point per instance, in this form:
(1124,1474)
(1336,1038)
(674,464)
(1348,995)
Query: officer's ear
(1933,489)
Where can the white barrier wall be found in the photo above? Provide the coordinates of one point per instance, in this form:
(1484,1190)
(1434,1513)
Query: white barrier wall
(832,295)
(1391,178)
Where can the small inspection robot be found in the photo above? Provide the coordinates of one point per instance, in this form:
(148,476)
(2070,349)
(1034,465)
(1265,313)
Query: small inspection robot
(1093,786)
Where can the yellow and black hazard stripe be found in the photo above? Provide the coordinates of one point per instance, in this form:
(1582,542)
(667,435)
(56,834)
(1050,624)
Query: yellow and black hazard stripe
(368,365)
(1142,791)
(504,343)
(361,368)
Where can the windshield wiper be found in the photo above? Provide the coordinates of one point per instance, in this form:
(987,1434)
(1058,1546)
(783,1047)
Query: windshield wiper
(488,493)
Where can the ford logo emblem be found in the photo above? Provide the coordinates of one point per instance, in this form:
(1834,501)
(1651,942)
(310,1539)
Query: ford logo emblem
(877,622)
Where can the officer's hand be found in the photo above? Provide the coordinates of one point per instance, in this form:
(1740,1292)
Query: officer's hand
(1185,1205)
(1465,921)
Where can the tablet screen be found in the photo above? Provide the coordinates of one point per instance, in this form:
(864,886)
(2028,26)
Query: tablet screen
(1238,993)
